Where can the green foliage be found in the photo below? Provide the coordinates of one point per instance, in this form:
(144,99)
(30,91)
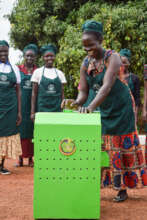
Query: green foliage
(60,21)
(40,21)
(125,26)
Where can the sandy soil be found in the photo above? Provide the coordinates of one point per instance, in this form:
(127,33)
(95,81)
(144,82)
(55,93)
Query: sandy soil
(16,198)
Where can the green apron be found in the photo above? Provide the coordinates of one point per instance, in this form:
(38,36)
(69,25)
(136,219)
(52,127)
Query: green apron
(49,94)
(26,126)
(117,114)
(130,83)
(93,90)
(8,104)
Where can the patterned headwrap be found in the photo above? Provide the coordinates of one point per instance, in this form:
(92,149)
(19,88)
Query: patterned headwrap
(4,43)
(125,53)
(32,47)
(92,26)
(48,48)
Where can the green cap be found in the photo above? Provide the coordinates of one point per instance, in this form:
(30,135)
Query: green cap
(32,47)
(125,53)
(92,26)
(48,48)
(4,43)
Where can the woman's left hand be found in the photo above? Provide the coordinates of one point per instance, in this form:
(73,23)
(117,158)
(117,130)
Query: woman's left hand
(85,110)
(19,119)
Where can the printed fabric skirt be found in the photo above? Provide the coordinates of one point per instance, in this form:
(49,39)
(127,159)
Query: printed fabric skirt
(128,162)
(10,147)
(27,148)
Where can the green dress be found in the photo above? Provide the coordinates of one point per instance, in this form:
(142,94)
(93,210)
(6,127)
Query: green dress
(117,113)
(8,104)
(49,94)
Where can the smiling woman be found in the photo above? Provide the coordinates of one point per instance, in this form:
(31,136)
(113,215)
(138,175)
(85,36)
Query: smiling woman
(10,108)
(48,84)
(102,68)
(26,128)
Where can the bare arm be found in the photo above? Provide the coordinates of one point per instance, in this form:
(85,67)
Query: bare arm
(62,90)
(18,93)
(83,92)
(145,101)
(113,68)
(33,100)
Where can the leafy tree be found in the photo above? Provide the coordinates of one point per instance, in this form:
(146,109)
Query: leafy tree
(60,21)
(40,21)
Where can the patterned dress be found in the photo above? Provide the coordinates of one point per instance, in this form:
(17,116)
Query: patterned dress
(119,134)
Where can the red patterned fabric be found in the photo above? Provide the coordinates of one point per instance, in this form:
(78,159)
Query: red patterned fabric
(23,69)
(128,164)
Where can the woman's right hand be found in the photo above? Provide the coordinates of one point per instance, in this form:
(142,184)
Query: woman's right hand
(32,116)
(69,104)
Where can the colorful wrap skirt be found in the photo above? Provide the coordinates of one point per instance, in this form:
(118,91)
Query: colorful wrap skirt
(10,147)
(128,162)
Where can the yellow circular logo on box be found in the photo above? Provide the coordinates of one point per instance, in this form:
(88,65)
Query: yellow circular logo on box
(67,146)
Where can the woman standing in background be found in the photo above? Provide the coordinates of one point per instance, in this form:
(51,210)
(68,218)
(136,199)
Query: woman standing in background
(132,79)
(48,84)
(26,127)
(10,108)
(145,108)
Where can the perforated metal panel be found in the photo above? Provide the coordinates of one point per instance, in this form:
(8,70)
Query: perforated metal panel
(67,186)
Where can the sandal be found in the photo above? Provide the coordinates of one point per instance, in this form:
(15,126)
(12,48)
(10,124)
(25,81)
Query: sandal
(121,196)
(31,163)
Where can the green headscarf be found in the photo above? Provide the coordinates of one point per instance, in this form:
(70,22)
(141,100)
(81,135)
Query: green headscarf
(32,47)
(125,53)
(92,26)
(48,48)
(4,43)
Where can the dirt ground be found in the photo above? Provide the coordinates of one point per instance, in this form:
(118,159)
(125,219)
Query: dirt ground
(16,198)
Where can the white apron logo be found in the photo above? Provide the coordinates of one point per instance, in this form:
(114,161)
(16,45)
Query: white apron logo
(27,84)
(51,89)
(96,88)
(3,80)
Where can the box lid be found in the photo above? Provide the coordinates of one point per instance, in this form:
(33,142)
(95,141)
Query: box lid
(67,118)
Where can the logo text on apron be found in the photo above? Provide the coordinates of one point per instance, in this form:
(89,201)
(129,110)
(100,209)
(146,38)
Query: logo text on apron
(51,89)
(27,84)
(96,88)
(3,80)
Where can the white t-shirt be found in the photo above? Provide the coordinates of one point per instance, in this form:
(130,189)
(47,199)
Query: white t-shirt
(50,73)
(6,68)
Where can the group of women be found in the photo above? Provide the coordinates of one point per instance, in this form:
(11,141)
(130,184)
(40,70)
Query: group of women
(23,91)
(104,76)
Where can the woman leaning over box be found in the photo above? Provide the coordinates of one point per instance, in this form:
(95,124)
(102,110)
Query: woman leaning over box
(48,84)
(26,128)
(100,69)
(10,108)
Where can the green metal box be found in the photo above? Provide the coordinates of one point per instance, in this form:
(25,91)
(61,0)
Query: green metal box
(67,166)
